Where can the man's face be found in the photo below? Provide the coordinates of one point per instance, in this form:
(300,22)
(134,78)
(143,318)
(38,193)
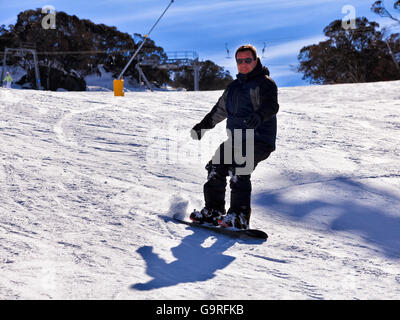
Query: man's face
(244,68)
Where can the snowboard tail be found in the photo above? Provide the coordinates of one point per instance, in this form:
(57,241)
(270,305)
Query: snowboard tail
(246,233)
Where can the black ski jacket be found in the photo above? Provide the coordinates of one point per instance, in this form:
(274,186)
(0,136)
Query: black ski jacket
(252,92)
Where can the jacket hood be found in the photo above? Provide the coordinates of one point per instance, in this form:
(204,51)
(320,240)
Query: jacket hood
(257,71)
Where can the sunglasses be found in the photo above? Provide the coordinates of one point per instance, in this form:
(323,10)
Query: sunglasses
(247,60)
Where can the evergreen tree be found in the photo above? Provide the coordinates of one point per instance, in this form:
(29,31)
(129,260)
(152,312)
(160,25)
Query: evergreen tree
(76,47)
(379,8)
(349,56)
(212,77)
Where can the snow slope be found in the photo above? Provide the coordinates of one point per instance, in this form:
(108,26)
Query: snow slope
(89,182)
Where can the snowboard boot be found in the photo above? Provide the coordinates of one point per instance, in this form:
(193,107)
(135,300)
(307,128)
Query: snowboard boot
(209,216)
(238,220)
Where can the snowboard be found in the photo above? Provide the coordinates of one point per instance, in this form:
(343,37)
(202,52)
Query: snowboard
(235,233)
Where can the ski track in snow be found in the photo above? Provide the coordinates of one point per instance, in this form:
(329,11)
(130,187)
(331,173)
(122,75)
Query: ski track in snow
(89,183)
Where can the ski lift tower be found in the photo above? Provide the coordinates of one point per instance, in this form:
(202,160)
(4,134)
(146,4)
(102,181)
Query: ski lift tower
(21,51)
(175,60)
(189,59)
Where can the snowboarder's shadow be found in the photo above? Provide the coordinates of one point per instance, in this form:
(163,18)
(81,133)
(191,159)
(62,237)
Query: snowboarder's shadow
(194,261)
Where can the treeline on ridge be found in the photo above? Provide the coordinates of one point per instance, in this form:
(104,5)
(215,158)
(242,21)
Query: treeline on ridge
(94,44)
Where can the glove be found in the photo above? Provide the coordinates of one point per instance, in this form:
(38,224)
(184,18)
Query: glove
(196,132)
(253,121)
(199,129)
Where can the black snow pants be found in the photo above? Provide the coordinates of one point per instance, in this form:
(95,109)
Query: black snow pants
(240,184)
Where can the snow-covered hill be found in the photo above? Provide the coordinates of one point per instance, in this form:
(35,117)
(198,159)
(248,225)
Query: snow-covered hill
(88,182)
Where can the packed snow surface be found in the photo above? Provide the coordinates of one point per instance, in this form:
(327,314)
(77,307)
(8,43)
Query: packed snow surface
(89,183)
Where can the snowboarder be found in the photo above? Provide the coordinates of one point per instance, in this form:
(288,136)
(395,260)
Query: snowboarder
(248,103)
(8,80)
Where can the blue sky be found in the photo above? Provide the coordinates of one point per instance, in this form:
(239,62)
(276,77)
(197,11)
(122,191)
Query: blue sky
(206,25)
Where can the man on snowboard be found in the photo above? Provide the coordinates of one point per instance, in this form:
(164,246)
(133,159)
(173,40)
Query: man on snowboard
(250,105)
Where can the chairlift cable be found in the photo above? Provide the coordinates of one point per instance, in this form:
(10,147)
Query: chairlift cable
(144,40)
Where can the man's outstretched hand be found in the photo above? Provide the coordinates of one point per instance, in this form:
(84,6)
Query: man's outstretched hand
(199,129)
(196,132)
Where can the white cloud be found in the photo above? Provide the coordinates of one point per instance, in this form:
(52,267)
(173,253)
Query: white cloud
(8,21)
(228,14)
(283,70)
(291,48)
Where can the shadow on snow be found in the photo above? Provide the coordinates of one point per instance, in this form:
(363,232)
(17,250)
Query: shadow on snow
(341,204)
(194,262)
